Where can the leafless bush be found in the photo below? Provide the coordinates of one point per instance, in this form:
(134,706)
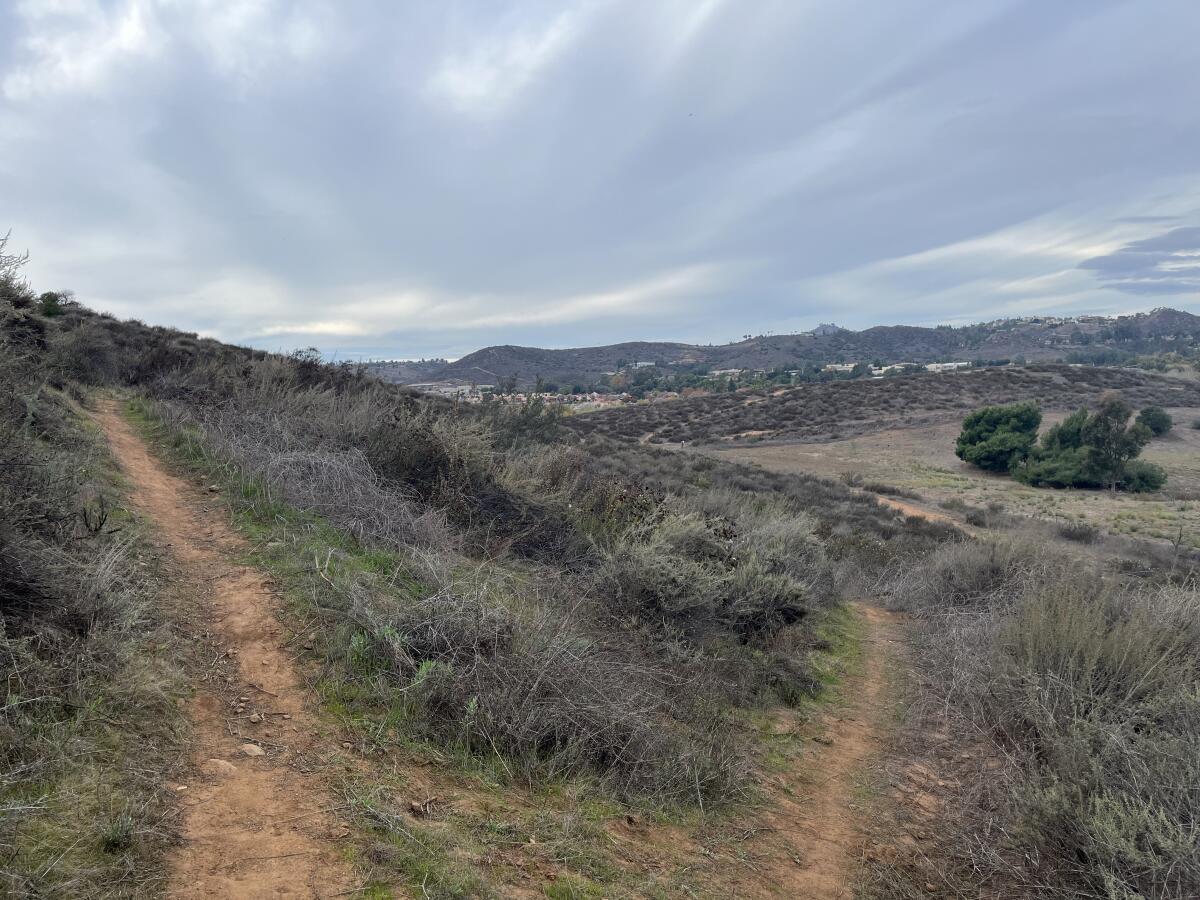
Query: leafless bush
(338,484)
(968,574)
(74,623)
(1080,532)
(550,696)
(1088,687)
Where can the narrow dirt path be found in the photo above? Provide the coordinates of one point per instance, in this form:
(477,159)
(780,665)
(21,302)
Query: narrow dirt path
(911,509)
(257,819)
(817,819)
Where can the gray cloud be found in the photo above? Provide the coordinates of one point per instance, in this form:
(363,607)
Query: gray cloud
(1168,263)
(428,179)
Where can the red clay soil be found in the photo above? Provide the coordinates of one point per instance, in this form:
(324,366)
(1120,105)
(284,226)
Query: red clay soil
(257,818)
(819,828)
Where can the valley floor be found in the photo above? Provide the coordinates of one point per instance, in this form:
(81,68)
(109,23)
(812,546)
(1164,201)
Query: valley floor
(921,460)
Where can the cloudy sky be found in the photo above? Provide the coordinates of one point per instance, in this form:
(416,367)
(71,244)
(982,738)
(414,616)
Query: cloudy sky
(418,179)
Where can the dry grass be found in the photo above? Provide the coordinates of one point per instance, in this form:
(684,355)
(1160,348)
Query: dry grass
(1086,687)
(921,460)
(88,725)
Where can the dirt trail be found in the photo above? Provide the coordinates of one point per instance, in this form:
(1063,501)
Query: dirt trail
(817,819)
(911,509)
(257,820)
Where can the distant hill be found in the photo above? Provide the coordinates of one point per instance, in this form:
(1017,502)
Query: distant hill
(1036,338)
(841,409)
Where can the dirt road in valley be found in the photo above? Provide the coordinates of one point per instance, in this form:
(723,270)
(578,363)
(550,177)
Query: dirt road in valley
(257,817)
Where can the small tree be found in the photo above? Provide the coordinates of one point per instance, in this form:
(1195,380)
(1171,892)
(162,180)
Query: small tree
(1157,419)
(54,303)
(1110,443)
(1093,450)
(997,438)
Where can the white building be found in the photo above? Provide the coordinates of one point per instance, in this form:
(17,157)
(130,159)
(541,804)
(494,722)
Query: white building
(947,366)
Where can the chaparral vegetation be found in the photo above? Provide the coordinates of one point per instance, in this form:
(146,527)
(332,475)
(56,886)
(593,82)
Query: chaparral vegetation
(612,653)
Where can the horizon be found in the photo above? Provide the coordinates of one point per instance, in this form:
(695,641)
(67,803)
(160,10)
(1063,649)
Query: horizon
(333,354)
(428,182)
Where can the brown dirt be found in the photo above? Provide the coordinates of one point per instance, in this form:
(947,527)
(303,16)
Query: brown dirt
(253,826)
(813,833)
(823,821)
(911,509)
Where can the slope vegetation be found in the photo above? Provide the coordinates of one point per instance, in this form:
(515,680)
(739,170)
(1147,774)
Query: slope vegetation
(838,409)
(523,663)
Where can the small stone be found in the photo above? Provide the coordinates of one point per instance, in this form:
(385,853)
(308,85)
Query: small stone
(308,646)
(243,699)
(286,716)
(256,718)
(253,750)
(218,767)
(214,488)
(346,745)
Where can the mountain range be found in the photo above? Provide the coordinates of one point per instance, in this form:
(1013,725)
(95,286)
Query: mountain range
(1036,338)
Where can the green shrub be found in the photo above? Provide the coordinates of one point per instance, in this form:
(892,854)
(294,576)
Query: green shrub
(1059,469)
(1092,450)
(998,437)
(1157,419)
(1142,477)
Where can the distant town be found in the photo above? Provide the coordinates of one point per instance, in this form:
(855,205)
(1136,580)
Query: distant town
(584,379)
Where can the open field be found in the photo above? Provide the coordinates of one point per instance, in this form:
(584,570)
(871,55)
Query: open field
(921,460)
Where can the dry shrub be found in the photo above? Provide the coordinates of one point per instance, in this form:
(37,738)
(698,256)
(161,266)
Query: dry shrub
(86,724)
(1091,688)
(549,695)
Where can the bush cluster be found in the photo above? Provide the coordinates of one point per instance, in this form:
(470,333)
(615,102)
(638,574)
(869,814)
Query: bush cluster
(1087,449)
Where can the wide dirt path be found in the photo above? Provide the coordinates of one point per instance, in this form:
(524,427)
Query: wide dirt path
(257,819)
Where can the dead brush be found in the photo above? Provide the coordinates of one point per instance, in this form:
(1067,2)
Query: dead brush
(88,725)
(549,697)
(1086,688)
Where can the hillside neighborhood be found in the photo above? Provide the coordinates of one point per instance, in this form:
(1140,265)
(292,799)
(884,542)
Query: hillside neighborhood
(595,378)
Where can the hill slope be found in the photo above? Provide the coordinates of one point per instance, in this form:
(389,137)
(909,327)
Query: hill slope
(844,408)
(1036,338)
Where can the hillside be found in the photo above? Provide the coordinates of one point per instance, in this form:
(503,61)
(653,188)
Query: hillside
(839,409)
(1037,338)
(276,628)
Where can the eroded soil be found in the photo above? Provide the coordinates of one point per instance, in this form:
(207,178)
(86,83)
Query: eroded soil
(258,819)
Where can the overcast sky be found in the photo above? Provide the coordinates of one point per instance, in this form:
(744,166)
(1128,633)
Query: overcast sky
(418,179)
